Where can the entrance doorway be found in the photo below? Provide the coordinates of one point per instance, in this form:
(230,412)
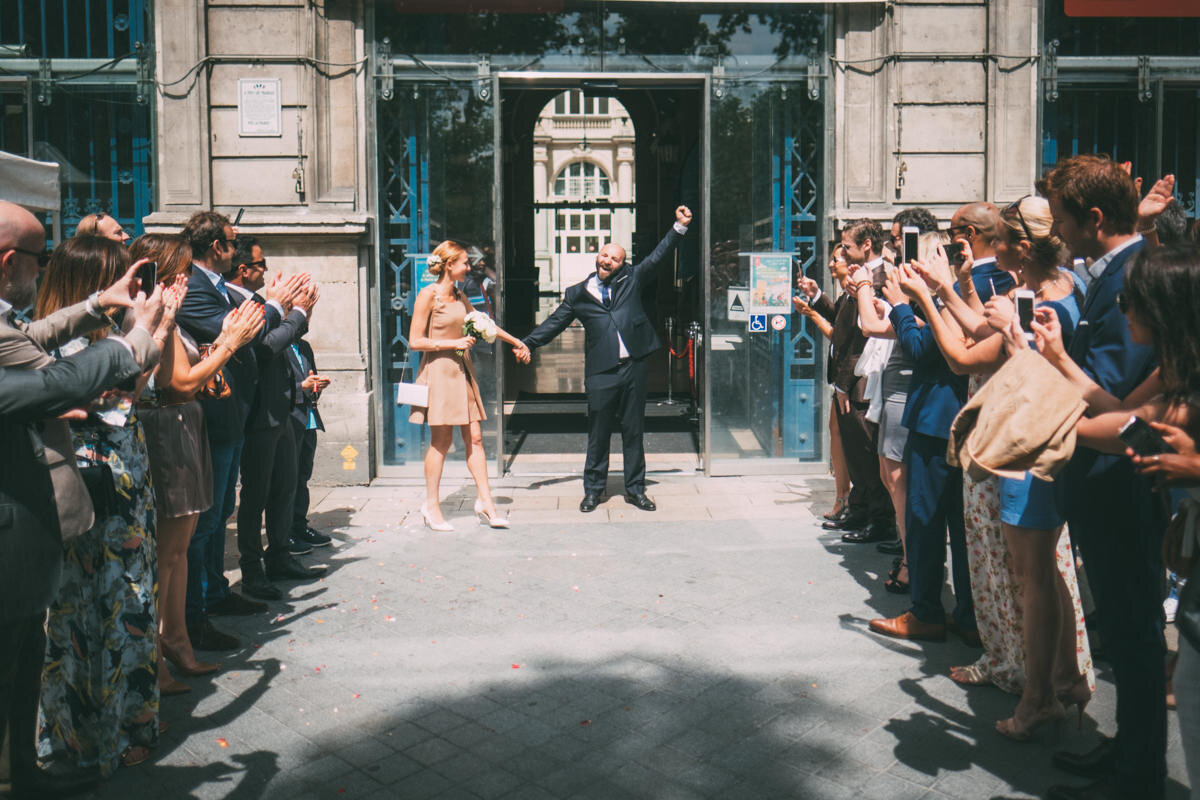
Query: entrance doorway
(585,162)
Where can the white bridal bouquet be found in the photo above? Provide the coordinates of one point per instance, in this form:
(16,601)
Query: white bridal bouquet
(480,326)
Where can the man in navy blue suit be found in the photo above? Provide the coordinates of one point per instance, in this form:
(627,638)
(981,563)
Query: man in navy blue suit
(1112,514)
(934,495)
(618,337)
(213,241)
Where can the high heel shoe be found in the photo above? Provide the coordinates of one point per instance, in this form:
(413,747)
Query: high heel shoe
(839,509)
(437,526)
(487,519)
(1079,696)
(1011,729)
(176,660)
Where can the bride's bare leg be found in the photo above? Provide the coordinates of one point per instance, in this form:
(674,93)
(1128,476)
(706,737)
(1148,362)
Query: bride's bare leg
(477,463)
(440,437)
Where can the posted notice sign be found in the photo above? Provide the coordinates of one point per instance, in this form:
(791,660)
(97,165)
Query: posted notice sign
(737,303)
(770,283)
(260,107)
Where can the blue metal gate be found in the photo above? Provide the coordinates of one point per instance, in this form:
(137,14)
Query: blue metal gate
(80,80)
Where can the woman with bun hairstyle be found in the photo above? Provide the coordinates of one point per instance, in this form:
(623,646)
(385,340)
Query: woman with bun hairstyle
(454,400)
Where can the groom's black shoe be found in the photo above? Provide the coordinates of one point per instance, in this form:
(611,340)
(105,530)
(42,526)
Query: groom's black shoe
(590,501)
(640,501)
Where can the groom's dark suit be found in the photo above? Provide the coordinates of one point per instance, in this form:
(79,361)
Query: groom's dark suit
(615,385)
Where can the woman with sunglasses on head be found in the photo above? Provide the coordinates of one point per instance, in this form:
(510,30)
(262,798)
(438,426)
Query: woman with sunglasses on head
(102,225)
(178,446)
(1038,643)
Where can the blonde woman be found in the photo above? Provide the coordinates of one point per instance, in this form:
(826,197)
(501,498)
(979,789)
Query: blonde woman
(454,400)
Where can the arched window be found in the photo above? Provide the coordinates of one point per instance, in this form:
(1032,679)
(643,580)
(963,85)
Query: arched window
(581,180)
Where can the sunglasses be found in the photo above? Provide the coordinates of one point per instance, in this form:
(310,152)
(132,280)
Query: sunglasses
(1021,217)
(43,258)
(258,264)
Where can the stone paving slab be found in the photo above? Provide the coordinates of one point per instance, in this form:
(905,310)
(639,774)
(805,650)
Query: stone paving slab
(716,648)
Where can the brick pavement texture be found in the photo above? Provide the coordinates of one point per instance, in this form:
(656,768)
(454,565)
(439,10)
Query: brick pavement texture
(717,648)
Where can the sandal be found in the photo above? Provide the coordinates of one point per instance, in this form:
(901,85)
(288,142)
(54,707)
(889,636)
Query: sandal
(970,675)
(893,583)
(839,509)
(133,755)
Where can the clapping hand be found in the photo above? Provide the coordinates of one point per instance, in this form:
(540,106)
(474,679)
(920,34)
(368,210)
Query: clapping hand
(314,383)
(241,325)
(1155,201)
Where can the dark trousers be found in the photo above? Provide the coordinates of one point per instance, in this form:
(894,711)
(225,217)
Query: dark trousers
(206,583)
(268,485)
(1119,532)
(306,450)
(934,503)
(616,400)
(869,498)
(22,652)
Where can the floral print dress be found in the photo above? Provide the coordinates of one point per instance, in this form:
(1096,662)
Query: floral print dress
(997,593)
(100,673)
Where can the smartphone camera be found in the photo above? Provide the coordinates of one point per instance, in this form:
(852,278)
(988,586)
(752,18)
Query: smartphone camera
(1025,309)
(955,254)
(908,243)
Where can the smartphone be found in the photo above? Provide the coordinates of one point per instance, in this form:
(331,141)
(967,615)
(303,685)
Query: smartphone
(908,244)
(238,218)
(148,276)
(1141,438)
(954,253)
(1025,309)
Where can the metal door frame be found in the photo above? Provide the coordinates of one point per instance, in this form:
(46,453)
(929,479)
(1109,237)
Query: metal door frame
(531,79)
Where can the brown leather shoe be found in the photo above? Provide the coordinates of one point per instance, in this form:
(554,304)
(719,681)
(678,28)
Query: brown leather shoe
(907,626)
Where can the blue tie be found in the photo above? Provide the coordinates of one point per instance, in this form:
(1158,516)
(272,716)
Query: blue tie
(221,288)
(605,293)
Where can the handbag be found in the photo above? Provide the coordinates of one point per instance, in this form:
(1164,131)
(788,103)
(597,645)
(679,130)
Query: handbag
(216,387)
(412,394)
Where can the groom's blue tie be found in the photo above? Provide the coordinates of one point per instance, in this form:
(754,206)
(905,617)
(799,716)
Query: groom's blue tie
(605,293)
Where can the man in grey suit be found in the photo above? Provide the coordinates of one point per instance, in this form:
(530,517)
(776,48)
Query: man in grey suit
(42,497)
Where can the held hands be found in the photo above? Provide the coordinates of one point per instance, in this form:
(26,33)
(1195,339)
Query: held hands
(522,354)
(683,215)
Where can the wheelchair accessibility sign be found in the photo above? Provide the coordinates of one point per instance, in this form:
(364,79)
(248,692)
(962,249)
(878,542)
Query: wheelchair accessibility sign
(757,323)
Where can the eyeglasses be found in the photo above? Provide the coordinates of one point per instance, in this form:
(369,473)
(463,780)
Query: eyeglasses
(258,264)
(43,258)
(231,242)
(1021,217)
(1122,303)
(955,230)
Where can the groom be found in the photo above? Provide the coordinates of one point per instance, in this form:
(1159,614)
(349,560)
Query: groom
(618,339)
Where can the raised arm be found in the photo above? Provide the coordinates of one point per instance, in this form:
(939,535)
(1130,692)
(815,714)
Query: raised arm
(31,394)
(651,263)
(239,328)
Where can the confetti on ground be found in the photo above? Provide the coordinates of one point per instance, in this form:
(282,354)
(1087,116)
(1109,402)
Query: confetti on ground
(222,743)
(585,722)
(516,666)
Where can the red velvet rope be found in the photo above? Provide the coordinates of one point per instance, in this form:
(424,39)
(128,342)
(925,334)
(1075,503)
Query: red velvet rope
(689,350)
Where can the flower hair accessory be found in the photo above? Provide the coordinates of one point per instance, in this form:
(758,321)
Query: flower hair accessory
(433,260)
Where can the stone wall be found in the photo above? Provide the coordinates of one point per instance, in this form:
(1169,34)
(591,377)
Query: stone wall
(305,192)
(935,105)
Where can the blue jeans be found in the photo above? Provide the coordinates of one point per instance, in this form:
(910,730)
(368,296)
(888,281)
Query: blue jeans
(206,583)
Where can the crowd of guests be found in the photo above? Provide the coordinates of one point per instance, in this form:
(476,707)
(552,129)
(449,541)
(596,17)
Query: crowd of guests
(985,380)
(138,381)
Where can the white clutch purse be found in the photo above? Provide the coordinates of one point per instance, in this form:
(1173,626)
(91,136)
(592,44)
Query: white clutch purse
(412,394)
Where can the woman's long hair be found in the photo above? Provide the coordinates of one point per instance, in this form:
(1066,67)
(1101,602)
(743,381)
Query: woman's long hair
(173,254)
(1162,290)
(78,267)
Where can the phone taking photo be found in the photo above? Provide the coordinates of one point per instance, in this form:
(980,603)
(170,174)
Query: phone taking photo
(908,243)
(1025,309)
(955,254)
(148,276)
(1142,439)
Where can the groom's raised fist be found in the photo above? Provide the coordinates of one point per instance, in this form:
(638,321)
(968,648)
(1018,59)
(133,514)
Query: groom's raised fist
(683,215)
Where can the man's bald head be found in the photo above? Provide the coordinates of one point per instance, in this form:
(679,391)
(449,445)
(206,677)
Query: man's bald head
(18,226)
(609,260)
(21,238)
(983,217)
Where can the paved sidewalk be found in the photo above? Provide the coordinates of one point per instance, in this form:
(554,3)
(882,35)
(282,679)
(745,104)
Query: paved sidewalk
(716,648)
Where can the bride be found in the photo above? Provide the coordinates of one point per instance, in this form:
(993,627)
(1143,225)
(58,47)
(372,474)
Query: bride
(454,401)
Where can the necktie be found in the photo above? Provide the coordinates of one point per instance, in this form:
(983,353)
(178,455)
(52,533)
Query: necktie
(221,288)
(605,293)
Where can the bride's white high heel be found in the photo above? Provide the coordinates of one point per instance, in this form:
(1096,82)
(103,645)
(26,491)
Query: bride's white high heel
(429,523)
(487,519)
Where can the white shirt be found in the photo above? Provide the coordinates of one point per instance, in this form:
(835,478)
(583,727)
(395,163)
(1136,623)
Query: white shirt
(1100,264)
(6,309)
(249,295)
(593,288)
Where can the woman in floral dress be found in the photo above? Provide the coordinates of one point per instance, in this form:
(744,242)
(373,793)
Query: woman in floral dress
(100,680)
